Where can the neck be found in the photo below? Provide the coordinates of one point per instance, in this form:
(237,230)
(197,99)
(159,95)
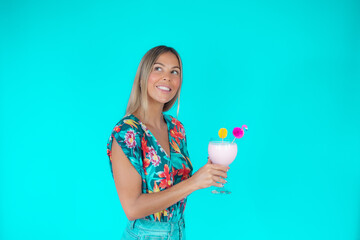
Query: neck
(154,115)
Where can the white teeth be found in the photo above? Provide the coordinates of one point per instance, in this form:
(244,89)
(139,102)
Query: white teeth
(164,88)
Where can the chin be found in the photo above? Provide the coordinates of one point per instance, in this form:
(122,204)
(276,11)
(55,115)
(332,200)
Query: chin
(162,100)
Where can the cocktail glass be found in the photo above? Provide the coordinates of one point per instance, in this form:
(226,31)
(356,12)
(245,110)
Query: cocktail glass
(224,153)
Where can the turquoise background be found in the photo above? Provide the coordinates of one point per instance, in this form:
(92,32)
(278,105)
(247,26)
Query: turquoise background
(290,70)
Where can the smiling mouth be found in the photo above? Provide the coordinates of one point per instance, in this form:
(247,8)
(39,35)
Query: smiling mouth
(164,88)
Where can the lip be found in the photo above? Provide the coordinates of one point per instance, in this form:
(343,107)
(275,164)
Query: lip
(162,89)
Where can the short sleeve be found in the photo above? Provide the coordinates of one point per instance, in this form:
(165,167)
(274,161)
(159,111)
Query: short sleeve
(127,134)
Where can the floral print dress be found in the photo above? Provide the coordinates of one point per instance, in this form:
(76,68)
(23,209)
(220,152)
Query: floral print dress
(157,170)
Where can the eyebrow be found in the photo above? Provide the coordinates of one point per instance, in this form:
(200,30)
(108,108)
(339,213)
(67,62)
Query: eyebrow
(164,65)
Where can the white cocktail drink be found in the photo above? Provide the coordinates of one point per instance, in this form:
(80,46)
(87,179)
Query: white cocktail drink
(224,153)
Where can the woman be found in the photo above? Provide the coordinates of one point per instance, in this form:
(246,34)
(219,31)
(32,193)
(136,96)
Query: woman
(149,160)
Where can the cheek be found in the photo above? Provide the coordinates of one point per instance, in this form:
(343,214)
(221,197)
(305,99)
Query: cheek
(150,84)
(152,78)
(177,83)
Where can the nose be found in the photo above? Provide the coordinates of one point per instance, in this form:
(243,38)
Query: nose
(166,76)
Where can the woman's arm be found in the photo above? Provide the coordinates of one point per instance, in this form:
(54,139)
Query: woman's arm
(137,205)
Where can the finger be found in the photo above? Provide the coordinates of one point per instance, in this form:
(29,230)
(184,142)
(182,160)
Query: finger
(220,167)
(219,180)
(219,173)
(218,184)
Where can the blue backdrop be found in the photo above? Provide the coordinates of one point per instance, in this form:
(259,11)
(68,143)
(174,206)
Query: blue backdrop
(290,70)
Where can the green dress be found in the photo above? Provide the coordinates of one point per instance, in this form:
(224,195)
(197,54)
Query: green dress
(157,170)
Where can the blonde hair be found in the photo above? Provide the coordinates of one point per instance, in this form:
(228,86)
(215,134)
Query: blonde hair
(138,98)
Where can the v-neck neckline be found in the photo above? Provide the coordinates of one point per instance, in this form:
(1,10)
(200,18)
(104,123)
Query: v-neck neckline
(157,142)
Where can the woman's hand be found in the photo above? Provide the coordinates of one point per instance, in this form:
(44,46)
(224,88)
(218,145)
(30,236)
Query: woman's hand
(209,175)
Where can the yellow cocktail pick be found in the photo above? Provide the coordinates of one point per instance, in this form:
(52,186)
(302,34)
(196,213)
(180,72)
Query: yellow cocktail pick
(222,133)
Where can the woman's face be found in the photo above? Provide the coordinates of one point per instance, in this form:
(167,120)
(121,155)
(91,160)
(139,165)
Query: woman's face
(164,79)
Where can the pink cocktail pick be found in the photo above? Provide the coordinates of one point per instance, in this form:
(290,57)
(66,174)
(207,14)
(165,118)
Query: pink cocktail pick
(238,132)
